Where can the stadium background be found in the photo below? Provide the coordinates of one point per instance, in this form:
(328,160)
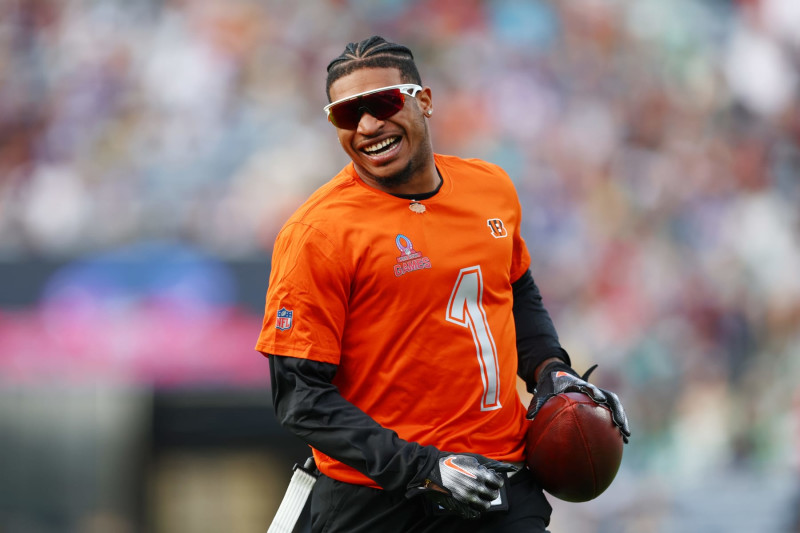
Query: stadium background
(150,150)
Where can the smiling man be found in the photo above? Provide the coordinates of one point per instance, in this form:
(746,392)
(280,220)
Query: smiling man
(399,312)
(396,159)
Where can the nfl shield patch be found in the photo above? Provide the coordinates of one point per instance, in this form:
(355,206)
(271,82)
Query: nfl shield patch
(284,320)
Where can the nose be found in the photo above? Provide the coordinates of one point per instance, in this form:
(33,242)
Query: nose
(368,124)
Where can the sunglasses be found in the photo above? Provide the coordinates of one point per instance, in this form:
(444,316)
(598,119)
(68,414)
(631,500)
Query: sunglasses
(380,103)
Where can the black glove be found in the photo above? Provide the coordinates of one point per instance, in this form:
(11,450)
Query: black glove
(465,483)
(558,377)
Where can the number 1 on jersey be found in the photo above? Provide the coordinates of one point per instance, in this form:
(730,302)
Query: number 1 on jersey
(465,308)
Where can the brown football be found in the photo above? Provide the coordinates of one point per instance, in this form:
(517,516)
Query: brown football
(574,449)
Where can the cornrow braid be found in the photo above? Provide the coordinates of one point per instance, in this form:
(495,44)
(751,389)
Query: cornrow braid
(374,52)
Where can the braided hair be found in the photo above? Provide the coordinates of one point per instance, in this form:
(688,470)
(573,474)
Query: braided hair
(374,52)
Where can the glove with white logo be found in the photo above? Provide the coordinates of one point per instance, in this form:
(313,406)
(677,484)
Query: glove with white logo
(558,377)
(466,483)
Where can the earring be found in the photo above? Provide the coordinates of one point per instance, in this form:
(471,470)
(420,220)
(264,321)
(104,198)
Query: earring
(430,112)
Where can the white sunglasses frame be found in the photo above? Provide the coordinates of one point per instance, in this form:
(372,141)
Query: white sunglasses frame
(409,89)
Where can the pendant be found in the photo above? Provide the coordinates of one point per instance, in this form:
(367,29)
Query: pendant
(416,207)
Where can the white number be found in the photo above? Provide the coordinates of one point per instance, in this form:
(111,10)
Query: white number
(465,308)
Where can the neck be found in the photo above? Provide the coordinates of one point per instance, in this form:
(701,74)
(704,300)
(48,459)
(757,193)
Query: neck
(425,195)
(410,181)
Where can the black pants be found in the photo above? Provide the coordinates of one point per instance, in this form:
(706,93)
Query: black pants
(343,507)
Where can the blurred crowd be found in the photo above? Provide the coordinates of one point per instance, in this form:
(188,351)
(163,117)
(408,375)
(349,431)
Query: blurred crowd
(655,146)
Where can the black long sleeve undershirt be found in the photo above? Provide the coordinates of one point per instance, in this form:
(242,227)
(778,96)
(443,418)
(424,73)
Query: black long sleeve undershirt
(308,403)
(537,339)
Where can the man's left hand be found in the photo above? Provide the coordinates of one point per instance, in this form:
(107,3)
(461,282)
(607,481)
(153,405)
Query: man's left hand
(557,377)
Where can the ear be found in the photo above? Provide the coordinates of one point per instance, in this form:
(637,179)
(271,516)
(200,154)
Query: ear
(425,101)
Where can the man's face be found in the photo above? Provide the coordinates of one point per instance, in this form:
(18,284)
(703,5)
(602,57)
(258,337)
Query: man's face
(388,154)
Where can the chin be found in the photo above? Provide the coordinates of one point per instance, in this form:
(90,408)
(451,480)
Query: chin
(391,180)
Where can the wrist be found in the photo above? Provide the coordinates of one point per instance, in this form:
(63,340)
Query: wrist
(551,365)
(432,485)
(425,473)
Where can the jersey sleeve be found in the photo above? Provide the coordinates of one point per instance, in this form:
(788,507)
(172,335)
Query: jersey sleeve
(306,301)
(521,259)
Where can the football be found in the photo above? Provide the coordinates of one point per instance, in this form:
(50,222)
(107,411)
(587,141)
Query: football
(573,447)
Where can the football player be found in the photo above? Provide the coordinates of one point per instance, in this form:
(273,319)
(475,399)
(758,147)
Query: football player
(400,309)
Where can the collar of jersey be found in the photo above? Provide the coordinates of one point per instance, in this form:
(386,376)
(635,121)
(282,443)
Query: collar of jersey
(441,191)
(425,195)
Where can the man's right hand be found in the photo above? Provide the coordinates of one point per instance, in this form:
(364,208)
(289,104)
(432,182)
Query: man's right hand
(465,484)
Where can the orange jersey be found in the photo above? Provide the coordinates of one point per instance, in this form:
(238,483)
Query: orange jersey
(414,307)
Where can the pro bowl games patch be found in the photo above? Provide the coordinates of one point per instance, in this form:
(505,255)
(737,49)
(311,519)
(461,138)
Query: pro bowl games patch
(284,319)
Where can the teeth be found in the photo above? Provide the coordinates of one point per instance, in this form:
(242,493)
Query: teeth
(381,145)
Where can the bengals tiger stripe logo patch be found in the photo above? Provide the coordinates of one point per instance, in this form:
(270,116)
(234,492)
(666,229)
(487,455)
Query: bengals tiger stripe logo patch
(497,227)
